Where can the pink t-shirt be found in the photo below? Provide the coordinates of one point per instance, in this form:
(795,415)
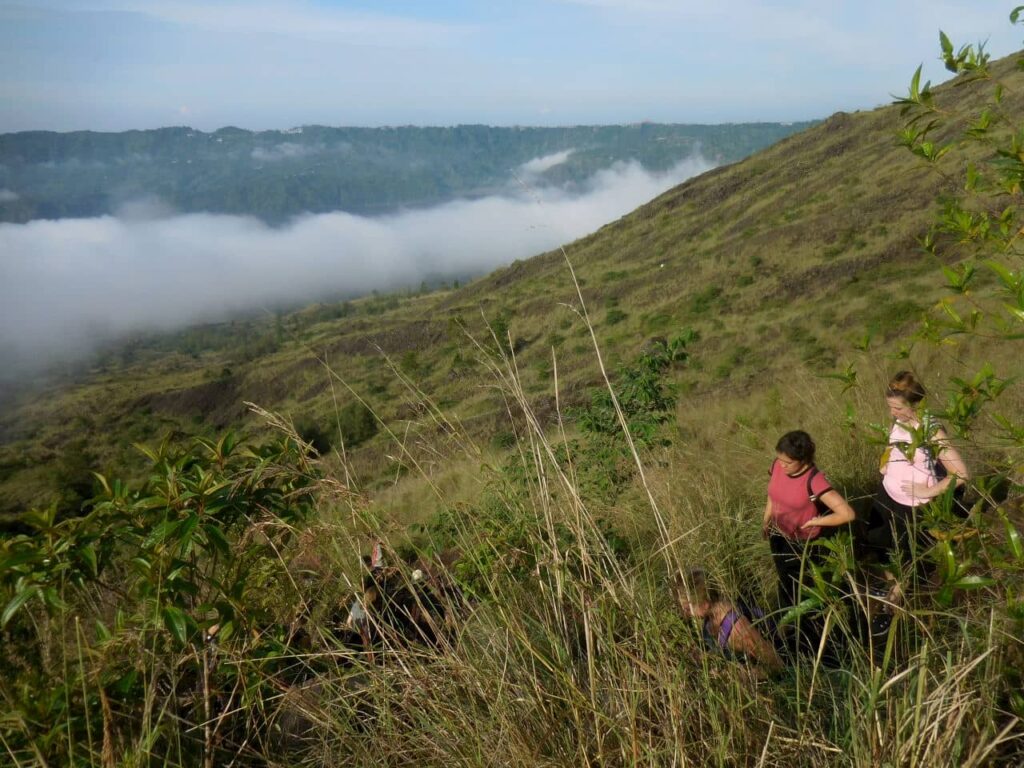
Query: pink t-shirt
(791,506)
(899,469)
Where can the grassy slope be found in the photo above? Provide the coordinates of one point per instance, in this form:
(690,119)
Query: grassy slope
(779,262)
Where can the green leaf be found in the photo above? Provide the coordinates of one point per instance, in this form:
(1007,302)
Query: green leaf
(215,536)
(948,560)
(159,533)
(1015,14)
(53,599)
(1018,313)
(148,452)
(1013,537)
(187,528)
(944,596)
(227,629)
(946,43)
(176,623)
(19,557)
(16,602)
(1006,275)
(89,556)
(102,632)
(805,605)
(974,581)
(104,484)
(947,307)
(126,682)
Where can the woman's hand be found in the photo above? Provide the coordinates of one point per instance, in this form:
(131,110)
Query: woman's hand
(814,522)
(917,490)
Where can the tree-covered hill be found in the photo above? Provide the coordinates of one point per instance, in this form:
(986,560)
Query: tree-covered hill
(275,175)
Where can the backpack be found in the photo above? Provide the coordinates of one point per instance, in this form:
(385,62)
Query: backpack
(820,507)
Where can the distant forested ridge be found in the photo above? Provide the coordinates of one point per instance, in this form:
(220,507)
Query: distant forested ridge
(278,174)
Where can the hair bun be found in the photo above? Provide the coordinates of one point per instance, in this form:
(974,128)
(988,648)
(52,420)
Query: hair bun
(904,384)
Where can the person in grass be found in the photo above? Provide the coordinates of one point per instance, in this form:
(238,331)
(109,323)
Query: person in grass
(801,506)
(726,626)
(918,465)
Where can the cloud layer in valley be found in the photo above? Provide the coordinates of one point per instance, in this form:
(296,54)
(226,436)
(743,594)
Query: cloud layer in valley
(69,284)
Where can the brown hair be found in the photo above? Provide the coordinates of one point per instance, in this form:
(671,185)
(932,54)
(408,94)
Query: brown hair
(692,588)
(906,386)
(797,445)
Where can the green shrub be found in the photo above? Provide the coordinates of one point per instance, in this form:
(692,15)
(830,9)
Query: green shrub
(357,424)
(615,316)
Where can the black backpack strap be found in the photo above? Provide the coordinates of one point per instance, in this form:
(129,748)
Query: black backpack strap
(810,492)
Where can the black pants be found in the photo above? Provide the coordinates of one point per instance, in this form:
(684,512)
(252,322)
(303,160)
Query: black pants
(793,561)
(791,558)
(895,529)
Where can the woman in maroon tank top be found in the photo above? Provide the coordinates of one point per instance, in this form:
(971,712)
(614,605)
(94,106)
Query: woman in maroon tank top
(801,505)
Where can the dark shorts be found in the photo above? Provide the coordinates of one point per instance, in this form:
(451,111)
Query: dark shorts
(896,529)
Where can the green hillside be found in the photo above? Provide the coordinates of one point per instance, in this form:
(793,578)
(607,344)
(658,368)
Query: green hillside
(275,175)
(782,260)
(777,293)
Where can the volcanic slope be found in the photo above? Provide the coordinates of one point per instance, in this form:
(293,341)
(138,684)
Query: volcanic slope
(779,262)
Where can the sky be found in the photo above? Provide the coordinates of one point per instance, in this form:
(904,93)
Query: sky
(114,65)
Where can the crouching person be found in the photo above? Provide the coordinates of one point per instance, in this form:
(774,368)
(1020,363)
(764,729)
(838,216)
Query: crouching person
(726,626)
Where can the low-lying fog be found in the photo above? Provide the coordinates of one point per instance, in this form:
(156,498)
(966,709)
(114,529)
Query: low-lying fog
(67,285)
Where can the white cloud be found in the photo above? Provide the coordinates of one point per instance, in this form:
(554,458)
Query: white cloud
(8,195)
(539,165)
(66,284)
(286,150)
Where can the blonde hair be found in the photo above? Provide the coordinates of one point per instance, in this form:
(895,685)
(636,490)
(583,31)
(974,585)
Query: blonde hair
(906,386)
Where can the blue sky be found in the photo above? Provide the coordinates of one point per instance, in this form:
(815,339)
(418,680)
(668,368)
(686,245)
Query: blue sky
(120,64)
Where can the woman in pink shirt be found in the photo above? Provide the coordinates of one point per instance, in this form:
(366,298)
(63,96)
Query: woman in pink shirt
(801,506)
(918,465)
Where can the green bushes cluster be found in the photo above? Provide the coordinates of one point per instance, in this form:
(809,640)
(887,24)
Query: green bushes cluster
(98,609)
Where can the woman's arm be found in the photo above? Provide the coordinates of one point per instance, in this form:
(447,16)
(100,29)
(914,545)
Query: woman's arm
(952,462)
(746,639)
(766,520)
(842,512)
(956,468)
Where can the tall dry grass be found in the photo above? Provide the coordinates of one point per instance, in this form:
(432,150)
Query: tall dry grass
(584,659)
(569,649)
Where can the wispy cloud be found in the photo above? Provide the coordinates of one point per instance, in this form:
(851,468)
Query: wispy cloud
(286,150)
(302,20)
(539,165)
(65,285)
(8,195)
(671,7)
(827,32)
